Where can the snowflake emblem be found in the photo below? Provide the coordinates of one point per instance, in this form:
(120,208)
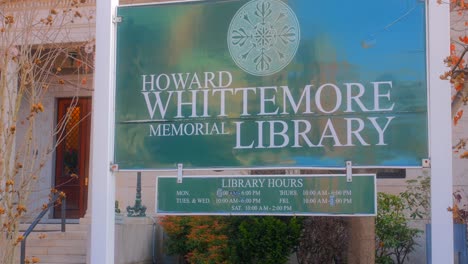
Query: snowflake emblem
(263,37)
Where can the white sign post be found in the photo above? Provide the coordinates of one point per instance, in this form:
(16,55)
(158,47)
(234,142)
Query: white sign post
(102,180)
(440,134)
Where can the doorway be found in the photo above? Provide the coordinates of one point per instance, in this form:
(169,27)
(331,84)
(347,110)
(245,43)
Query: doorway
(72,154)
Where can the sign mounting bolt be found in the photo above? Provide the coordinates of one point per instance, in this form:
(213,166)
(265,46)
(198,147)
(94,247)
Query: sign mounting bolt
(116,19)
(114,167)
(426,163)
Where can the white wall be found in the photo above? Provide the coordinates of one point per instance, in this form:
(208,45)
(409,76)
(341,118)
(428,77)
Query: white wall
(45,124)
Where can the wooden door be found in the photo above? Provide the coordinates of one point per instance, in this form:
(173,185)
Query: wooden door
(72,154)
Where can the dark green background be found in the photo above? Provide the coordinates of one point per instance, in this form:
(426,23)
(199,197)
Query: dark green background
(192,38)
(362,188)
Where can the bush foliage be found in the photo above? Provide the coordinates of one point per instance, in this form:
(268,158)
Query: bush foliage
(247,239)
(394,238)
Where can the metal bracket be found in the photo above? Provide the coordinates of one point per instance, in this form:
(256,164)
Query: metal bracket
(180,173)
(116,19)
(426,163)
(114,167)
(349,171)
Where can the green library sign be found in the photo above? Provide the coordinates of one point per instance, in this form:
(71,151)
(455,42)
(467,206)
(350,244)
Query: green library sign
(270,83)
(267,195)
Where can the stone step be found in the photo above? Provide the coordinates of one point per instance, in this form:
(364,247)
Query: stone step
(66,263)
(56,243)
(58,247)
(64,259)
(59,262)
(54,247)
(34,251)
(69,235)
(54,227)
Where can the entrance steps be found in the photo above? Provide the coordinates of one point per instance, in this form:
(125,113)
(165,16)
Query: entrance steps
(50,245)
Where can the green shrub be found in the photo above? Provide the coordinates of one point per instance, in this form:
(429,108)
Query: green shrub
(417,197)
(266,240)
(394,238)
(324,239)
(200,239)
(246,239)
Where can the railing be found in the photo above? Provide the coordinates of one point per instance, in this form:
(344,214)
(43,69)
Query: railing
(38,218)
